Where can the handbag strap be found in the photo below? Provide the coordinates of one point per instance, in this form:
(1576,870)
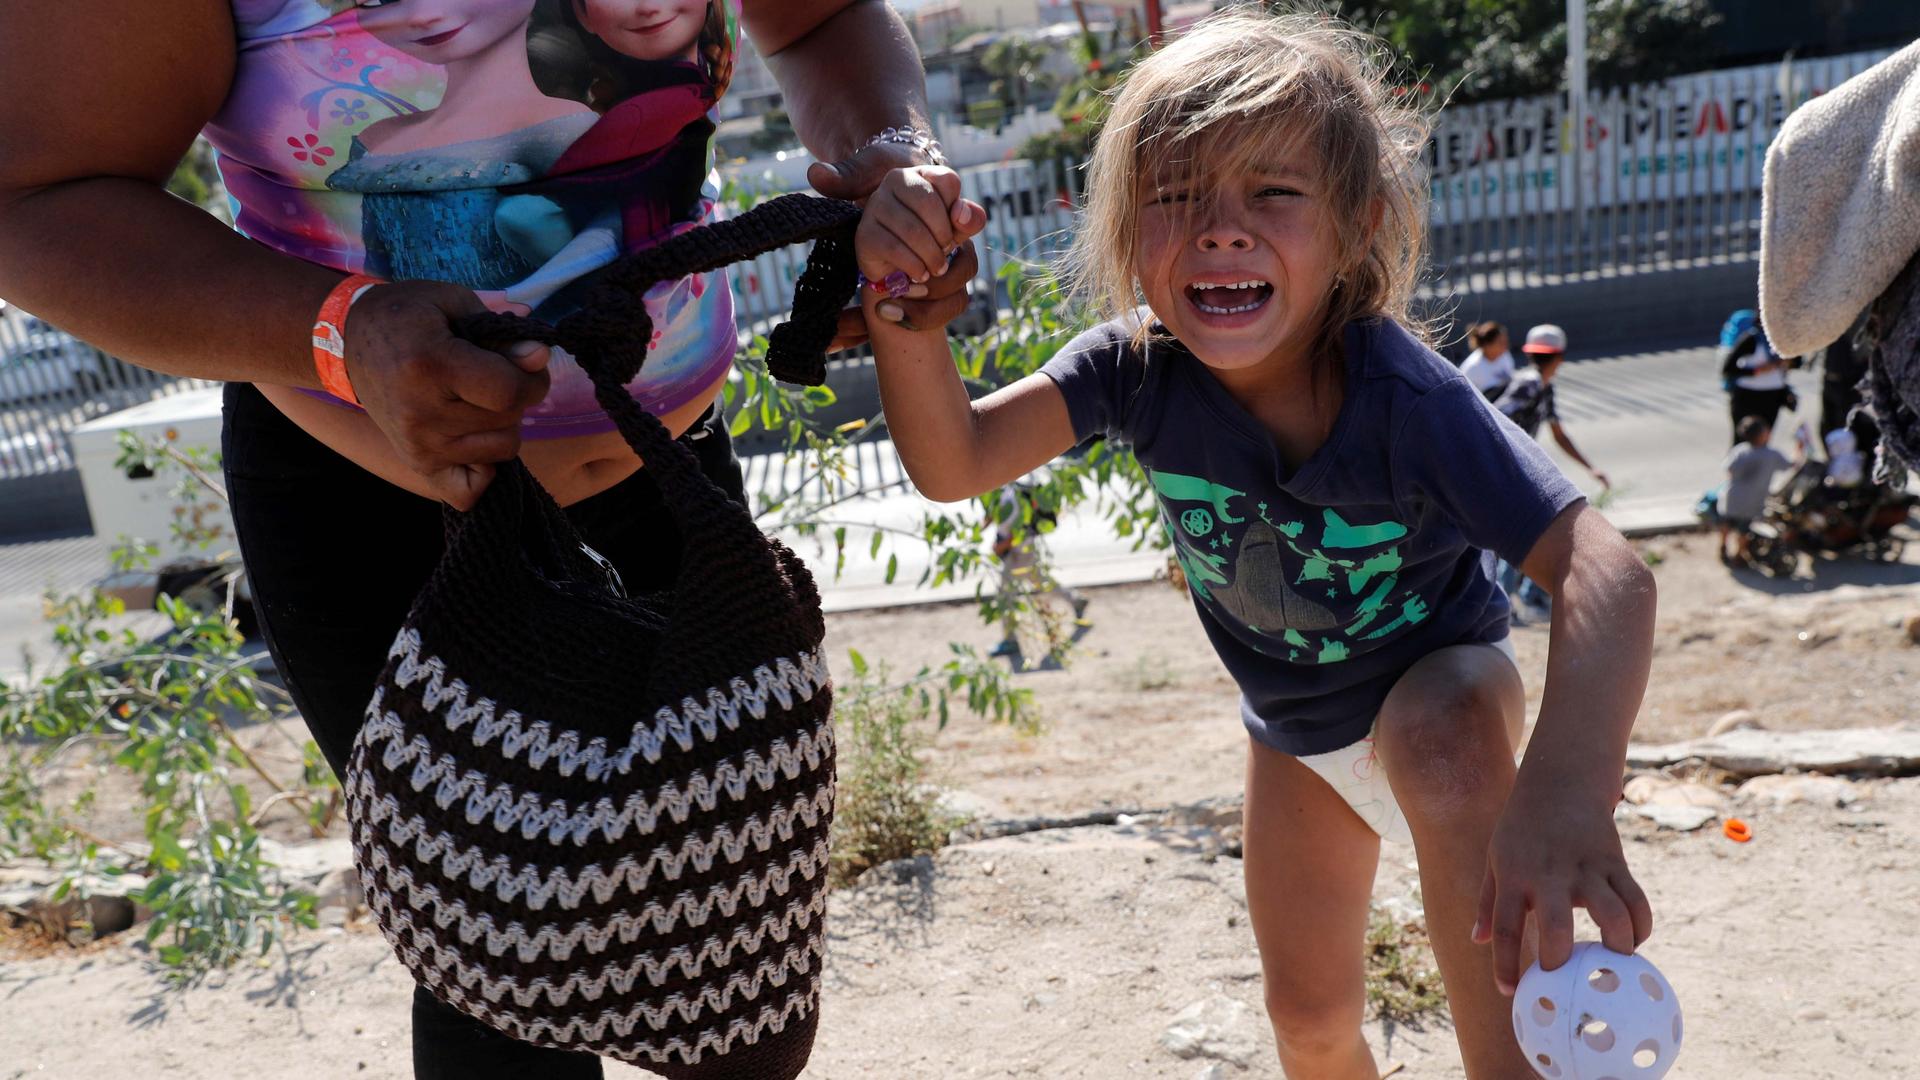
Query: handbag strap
(610,333)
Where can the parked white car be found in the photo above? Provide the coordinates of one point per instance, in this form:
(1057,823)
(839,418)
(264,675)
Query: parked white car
(33,452)
(39,360)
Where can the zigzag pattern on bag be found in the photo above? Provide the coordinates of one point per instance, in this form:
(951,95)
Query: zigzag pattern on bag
(786,680)
(496,872)
(560,821)
(626,926)
(797,958)
(579,1029)
(558,838)
(688,963)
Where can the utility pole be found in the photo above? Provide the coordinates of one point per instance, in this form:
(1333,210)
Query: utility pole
(1577,114)
(1153,22)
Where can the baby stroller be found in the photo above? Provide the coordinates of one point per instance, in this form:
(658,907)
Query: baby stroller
(1811,514)
(1819,517)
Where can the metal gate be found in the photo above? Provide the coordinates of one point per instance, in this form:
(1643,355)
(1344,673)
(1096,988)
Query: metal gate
(51,383)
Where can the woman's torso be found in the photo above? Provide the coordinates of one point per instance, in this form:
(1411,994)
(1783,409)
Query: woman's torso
(469,141)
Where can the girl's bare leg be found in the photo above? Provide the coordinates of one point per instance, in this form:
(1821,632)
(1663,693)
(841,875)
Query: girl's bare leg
(1447,735)
(1309,864)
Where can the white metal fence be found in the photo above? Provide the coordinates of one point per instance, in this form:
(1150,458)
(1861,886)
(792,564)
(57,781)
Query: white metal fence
(1029,220)
(1668,175)
(51,383)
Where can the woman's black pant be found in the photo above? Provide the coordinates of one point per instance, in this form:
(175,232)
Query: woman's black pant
(1765,404)
(334,556)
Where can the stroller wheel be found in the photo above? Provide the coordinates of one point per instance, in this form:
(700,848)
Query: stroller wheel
(1772,557)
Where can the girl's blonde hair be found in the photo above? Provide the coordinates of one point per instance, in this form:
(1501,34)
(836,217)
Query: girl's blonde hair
(1245,88)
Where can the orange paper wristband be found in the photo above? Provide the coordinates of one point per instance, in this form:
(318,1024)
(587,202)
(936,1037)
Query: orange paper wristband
(330,336)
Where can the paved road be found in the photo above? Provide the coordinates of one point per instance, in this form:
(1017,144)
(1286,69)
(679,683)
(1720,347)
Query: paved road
(1654,421)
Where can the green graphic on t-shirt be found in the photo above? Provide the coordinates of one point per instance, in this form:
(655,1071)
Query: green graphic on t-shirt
(1339,534)
(1194,489)
(1279,581)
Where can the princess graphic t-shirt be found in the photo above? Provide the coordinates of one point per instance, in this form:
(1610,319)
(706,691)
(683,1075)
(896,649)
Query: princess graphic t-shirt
(514,147)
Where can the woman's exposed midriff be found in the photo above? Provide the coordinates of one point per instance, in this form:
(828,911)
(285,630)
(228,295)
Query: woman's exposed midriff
(571,468)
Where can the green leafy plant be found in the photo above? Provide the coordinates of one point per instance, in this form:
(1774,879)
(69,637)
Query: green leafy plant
(165,711)
(1403,979)
(1152,671)
(822,503)
(886,809)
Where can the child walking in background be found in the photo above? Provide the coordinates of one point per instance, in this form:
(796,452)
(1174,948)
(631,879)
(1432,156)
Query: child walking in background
(1489,367)
(1751,466)
(1329,483)
(1528,401)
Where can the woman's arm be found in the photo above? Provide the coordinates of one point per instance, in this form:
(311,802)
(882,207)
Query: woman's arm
(955,448)
(849,70)
(98,103)
(1556,846)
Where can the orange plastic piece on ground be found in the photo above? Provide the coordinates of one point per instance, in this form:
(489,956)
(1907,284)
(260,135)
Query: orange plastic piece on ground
(1737,830)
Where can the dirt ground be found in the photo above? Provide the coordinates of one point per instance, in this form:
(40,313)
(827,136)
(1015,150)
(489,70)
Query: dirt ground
(1069,952)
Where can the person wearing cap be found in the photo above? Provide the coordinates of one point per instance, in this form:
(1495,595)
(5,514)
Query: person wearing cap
(1528,402)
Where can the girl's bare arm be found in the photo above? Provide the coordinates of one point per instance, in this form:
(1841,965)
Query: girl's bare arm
(955,448)
(1556,847)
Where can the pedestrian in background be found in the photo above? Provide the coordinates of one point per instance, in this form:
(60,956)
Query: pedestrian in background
(1528,402)
(1018,523)
(1489,367)
(1750,467)
(1759,382)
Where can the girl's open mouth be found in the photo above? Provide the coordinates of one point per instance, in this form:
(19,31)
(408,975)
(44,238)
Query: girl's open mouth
(1229,297)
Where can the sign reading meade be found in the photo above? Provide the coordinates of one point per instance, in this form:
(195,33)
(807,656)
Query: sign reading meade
(1685,137)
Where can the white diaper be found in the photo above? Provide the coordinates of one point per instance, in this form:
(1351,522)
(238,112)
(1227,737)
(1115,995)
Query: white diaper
(1360,779)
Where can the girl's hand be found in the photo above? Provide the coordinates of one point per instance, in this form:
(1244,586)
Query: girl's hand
(913,222)
(1549,857)
(856,178)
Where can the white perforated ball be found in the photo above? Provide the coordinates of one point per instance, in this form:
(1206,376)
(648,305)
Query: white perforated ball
(1599,1016)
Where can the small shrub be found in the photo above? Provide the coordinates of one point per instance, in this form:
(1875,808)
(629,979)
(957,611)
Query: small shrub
(1152,671)
(1403,980)
(886,808)
(165,711)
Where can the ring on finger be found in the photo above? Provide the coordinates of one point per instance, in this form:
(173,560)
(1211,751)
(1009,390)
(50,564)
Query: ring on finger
(895,284)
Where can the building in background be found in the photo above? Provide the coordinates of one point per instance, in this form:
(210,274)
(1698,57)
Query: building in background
(1761,31)
(753,90)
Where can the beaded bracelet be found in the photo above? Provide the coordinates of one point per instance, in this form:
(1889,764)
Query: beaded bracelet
(922,141)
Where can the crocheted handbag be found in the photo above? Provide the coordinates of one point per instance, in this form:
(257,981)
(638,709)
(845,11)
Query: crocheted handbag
(599,822)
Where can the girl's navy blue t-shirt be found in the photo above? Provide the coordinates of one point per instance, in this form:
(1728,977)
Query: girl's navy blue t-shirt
(1319,587)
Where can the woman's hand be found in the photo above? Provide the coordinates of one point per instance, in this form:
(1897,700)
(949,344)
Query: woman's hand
(858,177)
(450,408)
(1549,856)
